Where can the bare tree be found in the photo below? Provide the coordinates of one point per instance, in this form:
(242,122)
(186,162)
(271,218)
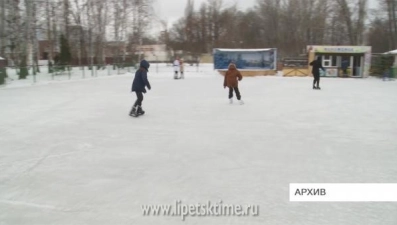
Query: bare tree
(79,35)
(2,26)
(49,34)
(66,14)
(391,7)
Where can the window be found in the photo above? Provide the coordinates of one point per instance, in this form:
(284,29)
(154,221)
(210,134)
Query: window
(330,61)
(334,61)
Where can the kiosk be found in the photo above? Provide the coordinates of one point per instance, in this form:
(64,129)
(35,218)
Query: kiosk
(250,62)
(335,60)
(394,67)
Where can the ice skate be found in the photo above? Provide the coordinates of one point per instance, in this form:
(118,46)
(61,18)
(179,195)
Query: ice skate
(230,101)
(241,102)
(140,111)
(133,112)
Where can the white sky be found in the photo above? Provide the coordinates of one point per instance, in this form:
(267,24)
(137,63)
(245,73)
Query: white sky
(172,10)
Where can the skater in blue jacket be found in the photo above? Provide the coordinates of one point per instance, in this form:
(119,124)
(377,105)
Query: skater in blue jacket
(138,86)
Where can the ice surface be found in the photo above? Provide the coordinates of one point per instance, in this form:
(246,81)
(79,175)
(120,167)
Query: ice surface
(70,154)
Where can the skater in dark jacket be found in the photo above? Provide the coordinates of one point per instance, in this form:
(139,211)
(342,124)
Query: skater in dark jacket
(138,86)
(232,77)
(316,66)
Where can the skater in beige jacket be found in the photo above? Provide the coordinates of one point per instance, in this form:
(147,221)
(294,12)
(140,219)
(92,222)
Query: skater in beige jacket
(182,68)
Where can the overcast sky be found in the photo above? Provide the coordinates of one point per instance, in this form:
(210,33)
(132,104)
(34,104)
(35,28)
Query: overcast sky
(172,10)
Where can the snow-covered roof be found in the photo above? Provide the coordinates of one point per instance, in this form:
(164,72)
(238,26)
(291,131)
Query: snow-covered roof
(243,50)
(394,52)
(1,58)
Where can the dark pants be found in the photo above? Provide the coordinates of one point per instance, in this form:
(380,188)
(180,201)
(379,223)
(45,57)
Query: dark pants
(237,92)
(139,99)
(316,81)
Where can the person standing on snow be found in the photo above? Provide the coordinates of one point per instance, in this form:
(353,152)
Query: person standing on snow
(232,77)
(138,86)
(182,68)
(176,67)
(316,66)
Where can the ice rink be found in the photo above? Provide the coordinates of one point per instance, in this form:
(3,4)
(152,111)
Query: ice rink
(71,155)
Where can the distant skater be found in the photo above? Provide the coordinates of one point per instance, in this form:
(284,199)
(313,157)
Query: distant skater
(176,67)
(232,77)
(182,68)
(316,66)
(138,86)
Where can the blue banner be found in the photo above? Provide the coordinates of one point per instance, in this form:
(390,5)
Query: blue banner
(246,59)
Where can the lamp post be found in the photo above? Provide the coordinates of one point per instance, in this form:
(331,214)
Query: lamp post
(157,65)
(157,62)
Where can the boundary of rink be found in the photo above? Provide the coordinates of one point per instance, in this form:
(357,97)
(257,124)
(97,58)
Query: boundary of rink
(17,85)
(21,84)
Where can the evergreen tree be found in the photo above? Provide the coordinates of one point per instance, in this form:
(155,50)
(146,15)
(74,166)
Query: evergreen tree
(3,75)
(50,67)
(65,56)
(23,69)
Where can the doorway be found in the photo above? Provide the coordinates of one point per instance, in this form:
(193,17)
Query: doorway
(356,63)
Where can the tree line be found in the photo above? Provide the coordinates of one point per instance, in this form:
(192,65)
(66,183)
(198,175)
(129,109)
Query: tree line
(81,31)
(78,30)
(289,25)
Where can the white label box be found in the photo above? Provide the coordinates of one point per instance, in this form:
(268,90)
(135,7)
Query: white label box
(343,192)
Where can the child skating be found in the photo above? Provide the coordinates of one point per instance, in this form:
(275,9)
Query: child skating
(182,68)
(232,77)
(138,86)
(176,66)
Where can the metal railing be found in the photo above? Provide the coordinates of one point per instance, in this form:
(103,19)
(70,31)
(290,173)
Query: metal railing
(35,74)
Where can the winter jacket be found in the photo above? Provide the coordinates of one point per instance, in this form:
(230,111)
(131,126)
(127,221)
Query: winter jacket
(316,66)
(140,80)
(176,65)
(182,66)
(232,77)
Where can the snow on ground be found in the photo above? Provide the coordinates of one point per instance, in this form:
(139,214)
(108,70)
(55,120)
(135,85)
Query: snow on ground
(70,154)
